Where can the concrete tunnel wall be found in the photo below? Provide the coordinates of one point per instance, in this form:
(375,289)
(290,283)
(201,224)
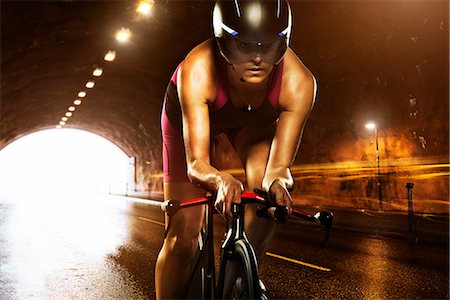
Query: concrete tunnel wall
(380,60)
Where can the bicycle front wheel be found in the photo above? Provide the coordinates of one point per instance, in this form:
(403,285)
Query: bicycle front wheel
(241,268)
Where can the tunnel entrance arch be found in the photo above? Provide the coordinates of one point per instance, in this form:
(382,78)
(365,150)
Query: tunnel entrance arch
(65,160)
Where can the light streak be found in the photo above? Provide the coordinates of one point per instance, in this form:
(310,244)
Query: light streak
(353,170)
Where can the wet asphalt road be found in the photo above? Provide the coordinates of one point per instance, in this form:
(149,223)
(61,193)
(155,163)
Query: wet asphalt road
(97,247)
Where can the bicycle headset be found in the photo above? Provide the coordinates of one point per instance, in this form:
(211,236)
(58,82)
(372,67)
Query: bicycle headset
(244,29)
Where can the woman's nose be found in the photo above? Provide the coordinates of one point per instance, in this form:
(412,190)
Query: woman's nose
(256,59)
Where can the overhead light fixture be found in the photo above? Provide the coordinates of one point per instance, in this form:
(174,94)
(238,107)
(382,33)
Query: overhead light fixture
(58,126)
(64,119)
(123,35)
(110,56)
(90,84)
(68,114)
(62,123)
(145,7)
(82,94)
(97,72)
(77,102)
(72,108)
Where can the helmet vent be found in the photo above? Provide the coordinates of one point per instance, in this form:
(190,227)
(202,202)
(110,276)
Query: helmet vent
(278,8)
(237,8)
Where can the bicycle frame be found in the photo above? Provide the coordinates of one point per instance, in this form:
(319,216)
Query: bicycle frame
(235,232)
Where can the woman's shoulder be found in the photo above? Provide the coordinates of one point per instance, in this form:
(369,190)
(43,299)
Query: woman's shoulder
(295,74)
(201,56)
(293,66)
(297,79)
(198,70)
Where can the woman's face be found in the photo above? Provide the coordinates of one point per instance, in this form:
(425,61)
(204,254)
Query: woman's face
(255,71)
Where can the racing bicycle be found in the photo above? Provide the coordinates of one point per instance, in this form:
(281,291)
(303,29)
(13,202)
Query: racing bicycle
(238,276)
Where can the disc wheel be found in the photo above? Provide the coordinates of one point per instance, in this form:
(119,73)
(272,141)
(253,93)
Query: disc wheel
(245,282)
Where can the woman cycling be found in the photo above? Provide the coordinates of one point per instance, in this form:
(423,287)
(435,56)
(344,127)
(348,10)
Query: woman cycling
(245,83)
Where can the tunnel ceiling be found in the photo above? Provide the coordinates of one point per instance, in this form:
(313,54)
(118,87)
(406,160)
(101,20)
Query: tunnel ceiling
(49,50)
(385,60)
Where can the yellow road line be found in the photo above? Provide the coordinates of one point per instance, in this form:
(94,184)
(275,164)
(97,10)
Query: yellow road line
(152,221)
(299,262)
(267,253)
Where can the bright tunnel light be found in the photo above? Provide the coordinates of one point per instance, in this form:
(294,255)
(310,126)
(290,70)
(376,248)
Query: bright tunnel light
(110,56)
(145,7)
(82,94)
(97,72)
(123,35)
(38,162)
(77,102)
(90,84)
(53,193)
(68,114)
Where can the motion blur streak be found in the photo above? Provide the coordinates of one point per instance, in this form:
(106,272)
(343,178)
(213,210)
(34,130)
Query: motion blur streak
(353,184)
(364,169)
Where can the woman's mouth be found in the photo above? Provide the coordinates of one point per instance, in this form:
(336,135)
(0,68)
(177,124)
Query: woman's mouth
(255,70)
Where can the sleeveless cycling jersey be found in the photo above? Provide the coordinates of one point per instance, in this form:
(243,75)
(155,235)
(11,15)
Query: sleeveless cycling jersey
(224,118)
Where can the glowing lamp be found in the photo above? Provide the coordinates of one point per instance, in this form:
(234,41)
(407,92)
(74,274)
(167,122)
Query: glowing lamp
(97,72)
(371,126)
(110,56)
(123,35)
(145,7)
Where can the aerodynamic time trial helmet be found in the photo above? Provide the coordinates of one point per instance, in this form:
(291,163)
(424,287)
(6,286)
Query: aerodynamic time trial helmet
(245,28)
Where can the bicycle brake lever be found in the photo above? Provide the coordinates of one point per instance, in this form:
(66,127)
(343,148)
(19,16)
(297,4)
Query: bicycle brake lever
(327,236)
(325,218)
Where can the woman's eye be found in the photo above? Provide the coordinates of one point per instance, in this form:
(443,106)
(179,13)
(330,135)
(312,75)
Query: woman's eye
(244,44)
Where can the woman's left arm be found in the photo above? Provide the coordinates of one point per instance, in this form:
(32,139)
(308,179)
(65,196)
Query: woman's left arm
(296,101)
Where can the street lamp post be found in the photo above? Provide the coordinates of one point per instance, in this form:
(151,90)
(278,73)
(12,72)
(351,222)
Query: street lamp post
(373,126)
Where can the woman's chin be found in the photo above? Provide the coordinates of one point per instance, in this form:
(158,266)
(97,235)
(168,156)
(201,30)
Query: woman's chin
(253,79)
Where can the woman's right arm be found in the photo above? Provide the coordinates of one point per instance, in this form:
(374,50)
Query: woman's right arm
(196,87)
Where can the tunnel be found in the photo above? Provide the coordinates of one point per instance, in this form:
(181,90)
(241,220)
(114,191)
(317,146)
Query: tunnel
(373,60)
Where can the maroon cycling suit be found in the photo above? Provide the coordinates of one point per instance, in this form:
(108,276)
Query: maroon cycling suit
(224,118)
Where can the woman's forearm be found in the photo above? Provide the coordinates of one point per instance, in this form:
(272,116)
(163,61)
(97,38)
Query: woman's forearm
(203,175)
(283,175)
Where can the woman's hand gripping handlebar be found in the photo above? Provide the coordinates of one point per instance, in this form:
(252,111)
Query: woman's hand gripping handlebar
(324,218)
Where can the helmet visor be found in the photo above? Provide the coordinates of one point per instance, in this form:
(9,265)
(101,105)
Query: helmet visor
(238,51)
